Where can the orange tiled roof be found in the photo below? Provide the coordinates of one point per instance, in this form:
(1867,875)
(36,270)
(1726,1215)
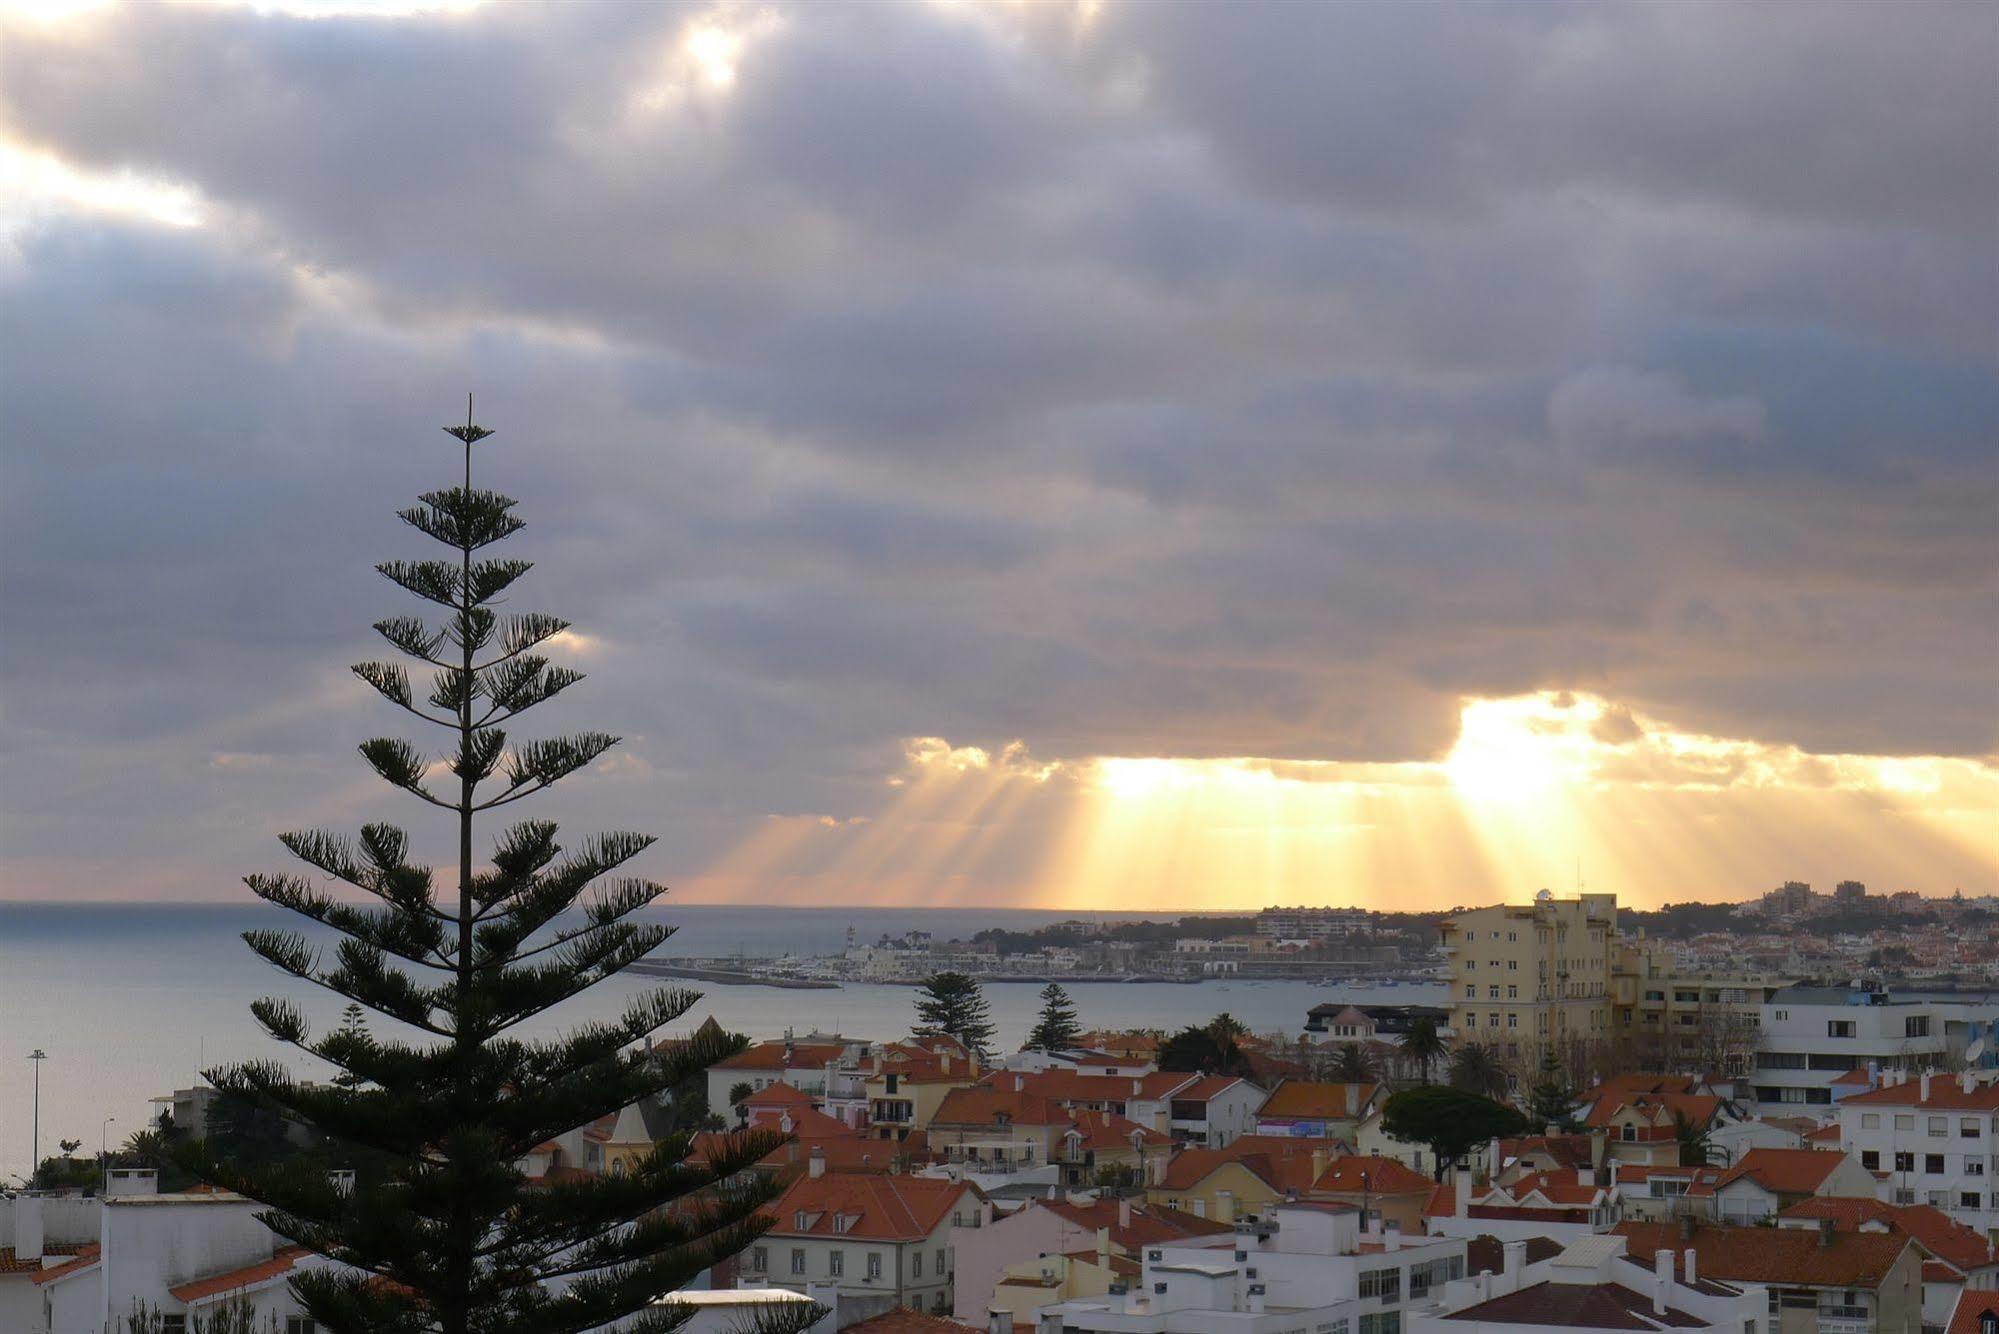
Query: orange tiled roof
(1108,1130)
(1281,1162)
(1946,1093)
(85,1257)
(807,1120)
(1070,1086)
(1775,1255)
(1309,1100)
(771,1056)
(1560,1187)
(1150,1224)
(1972,1304)
(779,1094)
(1963,1248)
(1783,1171)
(875,1208)
(1385,1176)
(281,1262)
(984,1105)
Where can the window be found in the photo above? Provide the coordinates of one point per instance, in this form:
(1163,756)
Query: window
(874,1265)
(300,1324)
(1967,1199)
(173,1324)
(1933,1164)
(1513,993)
(836,1263)
(1905,1161)
(1513,935)
(1916,1026)
(1905,1122)
(916,1264)
(942,1268)
(798,1260)
(1870,1159)
(1839,1028)
(1492,993)
(1383,1283)
(1686,998)
(1967,1127)
(1471,991)
(1513,965)
(1492,1020)
(1381,1322)
(1513,1021)
(1870,1120)
(759,1258)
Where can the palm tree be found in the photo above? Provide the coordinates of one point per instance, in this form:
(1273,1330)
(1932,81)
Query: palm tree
(1352,1065)
(1696,1145)
(1425,1044)
(1475,1068)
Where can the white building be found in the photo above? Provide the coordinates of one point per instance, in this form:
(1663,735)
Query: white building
(1937,1138)
(181,1255)
(1812,1036)
(1593,1285)
(866,1235)
(1301,1265)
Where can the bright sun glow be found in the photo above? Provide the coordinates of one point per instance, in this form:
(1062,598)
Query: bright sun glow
(1541,790)
(29,179)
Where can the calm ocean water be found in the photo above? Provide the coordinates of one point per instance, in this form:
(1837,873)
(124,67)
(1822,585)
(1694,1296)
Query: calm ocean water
(130,1001)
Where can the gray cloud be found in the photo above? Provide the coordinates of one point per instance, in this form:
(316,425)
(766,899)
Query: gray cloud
(1186,380)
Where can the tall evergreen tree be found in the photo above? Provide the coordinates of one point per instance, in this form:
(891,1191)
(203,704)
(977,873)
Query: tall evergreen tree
(1425,1045)
(454,1238)
(953,1005)
(1056,1029)
(1551,1102)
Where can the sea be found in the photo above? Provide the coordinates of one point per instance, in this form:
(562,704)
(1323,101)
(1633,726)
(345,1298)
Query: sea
(130,1002)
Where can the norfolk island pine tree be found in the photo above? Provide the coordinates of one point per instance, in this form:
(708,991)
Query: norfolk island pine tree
(453,1238)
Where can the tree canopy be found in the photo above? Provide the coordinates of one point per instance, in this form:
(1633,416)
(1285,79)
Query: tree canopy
(1057,1028)
(1449,1120)
(451,1096)
(953,1005)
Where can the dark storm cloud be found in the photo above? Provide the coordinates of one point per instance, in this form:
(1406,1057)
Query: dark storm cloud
(1184,379)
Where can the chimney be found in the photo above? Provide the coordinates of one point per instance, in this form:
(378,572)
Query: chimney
(785,1123)
(1318,1164)
(1019,1083)
(1662,1280)
(1693,1273)
(999,1320)
(28,1232)
(1124,1212)
(1494,1160)
(1515,1253)
(815,1164)
(1461,1192)
(1137,1087)
(1926,1086)
(1391,1235)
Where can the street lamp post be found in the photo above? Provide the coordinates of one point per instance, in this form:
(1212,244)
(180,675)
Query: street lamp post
(35,1163)
(104,1140)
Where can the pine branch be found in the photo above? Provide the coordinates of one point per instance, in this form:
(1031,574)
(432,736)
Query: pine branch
(432,580)
(413,637)
(399,764)
(463,519)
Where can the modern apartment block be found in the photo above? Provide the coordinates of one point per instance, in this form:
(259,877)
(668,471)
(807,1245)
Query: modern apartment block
(1665,1017)
(1936,1136)
(1819,1044)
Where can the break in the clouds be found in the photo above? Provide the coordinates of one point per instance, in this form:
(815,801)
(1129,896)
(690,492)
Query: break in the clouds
(1131,380)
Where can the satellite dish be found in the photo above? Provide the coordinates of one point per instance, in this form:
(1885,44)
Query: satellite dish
(1974,1051)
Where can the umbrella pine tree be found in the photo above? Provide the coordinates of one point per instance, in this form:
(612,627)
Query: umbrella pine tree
(450,1235)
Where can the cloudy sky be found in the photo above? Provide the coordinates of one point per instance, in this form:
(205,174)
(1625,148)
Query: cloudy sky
(1102,454)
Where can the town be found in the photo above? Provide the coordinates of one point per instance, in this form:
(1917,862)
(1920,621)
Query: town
(1603,1127)
(1902,938)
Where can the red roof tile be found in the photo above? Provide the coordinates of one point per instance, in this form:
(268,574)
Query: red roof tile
(1300,1099)
(876,1208)
(1775,1255)
(1972,1305)
(1583,1305)
(1383,1176)
(85,1257)
(1946,1094)
(1961,1247)
(1150,1224)
(771,1056)
(902,1320)
(981,1105)
(281,1262)
(1783,1171)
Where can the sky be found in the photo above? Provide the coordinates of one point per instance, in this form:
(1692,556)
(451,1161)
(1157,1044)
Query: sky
(1097,454)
